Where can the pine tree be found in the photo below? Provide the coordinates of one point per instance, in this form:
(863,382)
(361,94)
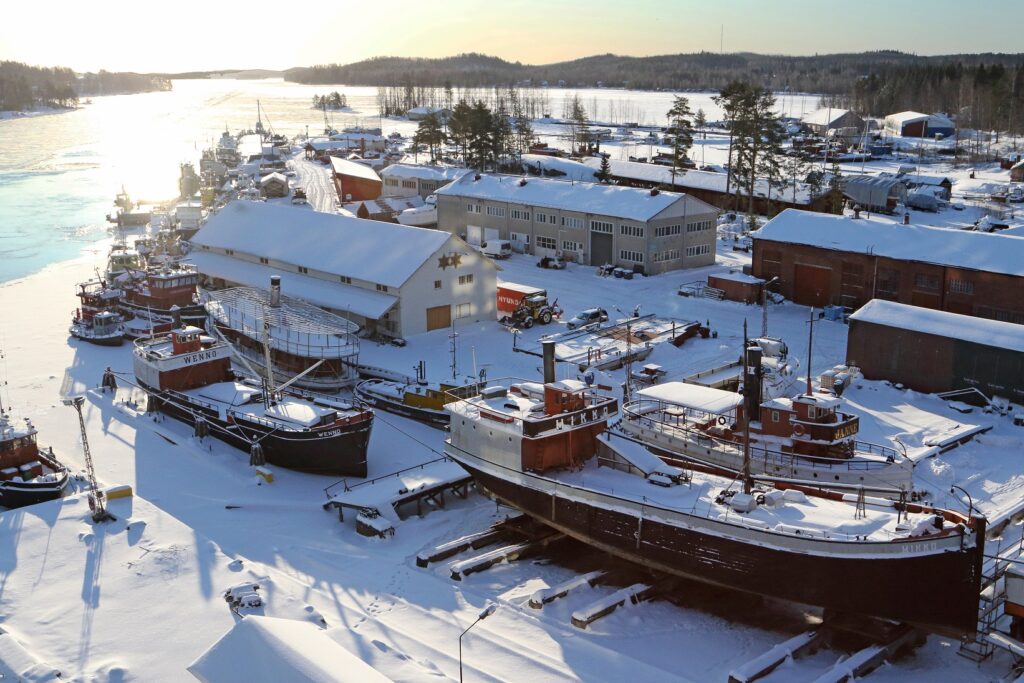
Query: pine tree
(700,122)
(680,127)
(604,174)
(577,122)
(431,134)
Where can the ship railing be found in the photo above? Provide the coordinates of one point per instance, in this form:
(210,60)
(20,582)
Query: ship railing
(641,412)
(330,490)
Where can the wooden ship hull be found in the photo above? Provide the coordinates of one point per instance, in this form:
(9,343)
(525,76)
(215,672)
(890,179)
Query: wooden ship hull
(339,451)
(935,587)
(81,331)
(395,397)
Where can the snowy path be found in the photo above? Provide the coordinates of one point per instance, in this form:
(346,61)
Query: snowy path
(315,179)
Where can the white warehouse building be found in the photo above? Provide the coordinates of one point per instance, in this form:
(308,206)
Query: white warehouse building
(392,279)
(647,231)
(407,180)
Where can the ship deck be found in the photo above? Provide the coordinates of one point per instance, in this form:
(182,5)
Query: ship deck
(242,399)
(795,513)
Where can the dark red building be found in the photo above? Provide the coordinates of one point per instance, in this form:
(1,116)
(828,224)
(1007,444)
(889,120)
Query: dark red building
(936,351)
(354,182)
(823,260)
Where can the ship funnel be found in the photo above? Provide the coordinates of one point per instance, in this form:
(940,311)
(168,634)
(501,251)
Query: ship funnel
(549,360)
(176,316)
(275,291)
(752,372)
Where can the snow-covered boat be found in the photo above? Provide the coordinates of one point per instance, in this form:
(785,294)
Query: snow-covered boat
(546,450)
(419,400)
(188,376)
(321,349)
(96,320)
(162,294)
(420,216)
(28,475)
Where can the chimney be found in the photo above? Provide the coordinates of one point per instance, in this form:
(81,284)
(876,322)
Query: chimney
(549,360)
(275,291)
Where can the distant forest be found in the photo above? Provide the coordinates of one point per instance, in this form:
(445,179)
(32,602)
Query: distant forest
(984,89)
(23,87)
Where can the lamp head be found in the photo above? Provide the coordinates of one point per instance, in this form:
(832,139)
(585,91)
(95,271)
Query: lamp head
(489,610)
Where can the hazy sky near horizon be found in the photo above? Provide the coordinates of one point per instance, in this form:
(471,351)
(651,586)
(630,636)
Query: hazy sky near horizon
(186,35)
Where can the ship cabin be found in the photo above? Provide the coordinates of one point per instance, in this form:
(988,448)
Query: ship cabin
(19,454)
(811,422)
(165,288)
(96,298)
(186,359)
(549,426)
(121,260)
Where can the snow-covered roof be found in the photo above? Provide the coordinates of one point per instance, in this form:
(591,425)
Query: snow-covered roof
(358,137)
(942,324)
(958,248)
(824,117)
(351,168)
(604,200)
(374,251)
(694,396)
(425,110)
(259,648)
(737,276)
(439,173)
(564,168)
(904,117)
(273,178)
(696,180)
(386,204)
(340,297)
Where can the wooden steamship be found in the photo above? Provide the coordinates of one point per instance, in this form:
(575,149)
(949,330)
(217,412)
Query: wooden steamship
(28,474)
(546,450)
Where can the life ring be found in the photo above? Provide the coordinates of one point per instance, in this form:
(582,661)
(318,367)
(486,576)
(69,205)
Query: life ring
(798,429)
(722,420)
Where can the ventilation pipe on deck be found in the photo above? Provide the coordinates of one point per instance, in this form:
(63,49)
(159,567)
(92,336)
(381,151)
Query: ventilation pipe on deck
(549,360)
(275,291)
(752,382)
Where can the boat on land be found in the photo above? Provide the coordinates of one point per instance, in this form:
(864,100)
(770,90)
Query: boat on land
(545,449)
(415,397)
(96,319)
(28,474)
(188,377)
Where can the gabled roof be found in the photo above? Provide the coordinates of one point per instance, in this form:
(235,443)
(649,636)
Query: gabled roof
(273,178)
(824,117)
(956,248)
(994,333)
(351,168)
(374,251)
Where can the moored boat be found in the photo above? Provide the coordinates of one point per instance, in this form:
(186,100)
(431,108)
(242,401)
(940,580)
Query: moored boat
(96,319)
(188,376)
(416,398)
(546,450)
(28,474)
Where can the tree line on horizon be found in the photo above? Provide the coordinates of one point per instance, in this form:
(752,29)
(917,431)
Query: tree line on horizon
(986,89)
(23,87)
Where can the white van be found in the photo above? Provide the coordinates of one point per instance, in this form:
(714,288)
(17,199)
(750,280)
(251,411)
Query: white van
(498,249)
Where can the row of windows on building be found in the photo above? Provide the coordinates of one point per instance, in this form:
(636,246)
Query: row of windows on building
(408,184)
(605,227)
(463,280)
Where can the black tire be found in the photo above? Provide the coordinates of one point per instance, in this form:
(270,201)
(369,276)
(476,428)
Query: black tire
(545,317)
(528,322)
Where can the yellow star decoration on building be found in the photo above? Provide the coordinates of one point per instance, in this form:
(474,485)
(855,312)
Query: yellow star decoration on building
(454,260)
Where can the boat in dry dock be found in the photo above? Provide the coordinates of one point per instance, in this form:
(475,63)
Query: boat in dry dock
(188,376)
(96,319)
(546,449)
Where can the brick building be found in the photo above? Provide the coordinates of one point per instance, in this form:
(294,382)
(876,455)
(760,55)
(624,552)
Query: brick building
(823,259)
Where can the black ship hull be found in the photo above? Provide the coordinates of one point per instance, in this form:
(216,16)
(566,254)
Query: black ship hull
(938,592)
(337,451)
(19,494)
(436,418)
(99,341)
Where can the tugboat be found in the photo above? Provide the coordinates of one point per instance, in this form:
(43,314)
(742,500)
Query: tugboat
(28,475)
(96,320)
(160,293)
(546,450)
(188,377)
(415,398)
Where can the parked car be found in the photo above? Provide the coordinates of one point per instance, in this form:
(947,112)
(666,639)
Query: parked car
(587,318)
(551,262)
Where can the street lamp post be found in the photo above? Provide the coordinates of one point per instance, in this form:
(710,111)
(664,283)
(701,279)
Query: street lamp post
(970,501)
(486,612)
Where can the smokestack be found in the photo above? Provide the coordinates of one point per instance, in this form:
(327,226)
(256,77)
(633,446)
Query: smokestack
(549,360)
(275,291)
(176,316)
(752,382)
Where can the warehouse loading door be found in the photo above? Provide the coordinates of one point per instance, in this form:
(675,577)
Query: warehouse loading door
(439,317)
(474,235)
(812,285)
(600,248)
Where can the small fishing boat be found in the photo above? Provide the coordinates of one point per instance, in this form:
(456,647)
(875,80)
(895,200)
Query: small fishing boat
(28,474)
(414,397)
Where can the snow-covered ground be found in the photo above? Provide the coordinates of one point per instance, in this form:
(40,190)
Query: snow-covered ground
(94,601)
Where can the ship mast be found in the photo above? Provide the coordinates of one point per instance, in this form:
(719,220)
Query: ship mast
(748,392)
(810,347)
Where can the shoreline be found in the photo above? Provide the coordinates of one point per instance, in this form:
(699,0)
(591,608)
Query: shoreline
(10,114)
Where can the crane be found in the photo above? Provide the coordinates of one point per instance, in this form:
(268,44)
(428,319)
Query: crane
(96,502)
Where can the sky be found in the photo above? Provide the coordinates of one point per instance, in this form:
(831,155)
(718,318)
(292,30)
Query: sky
(188,35)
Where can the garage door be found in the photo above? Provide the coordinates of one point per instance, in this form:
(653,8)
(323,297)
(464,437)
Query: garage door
(474,235)
(812,285)
(439,317)
(491,234)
